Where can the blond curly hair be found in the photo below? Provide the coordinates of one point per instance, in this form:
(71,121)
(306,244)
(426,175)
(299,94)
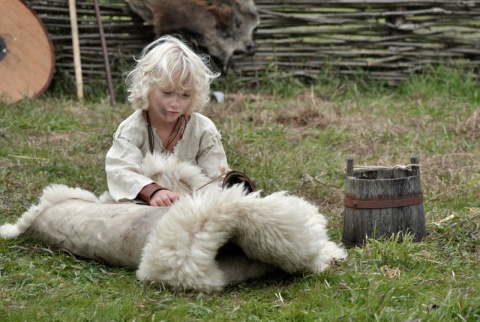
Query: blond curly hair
(170,63)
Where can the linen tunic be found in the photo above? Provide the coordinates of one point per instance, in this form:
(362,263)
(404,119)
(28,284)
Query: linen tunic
(200,144)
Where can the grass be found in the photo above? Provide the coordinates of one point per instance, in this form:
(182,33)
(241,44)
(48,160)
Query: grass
(297,140)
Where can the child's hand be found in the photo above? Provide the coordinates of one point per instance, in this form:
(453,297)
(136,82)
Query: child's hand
(163,198)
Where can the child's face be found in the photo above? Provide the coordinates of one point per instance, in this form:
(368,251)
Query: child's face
(168,103)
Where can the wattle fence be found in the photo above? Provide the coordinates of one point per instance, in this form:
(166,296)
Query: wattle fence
(385,39)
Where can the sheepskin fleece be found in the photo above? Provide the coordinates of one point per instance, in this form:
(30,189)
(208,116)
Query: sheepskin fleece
(207,240)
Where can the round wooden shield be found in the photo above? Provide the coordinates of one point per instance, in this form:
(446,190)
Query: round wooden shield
(27,59)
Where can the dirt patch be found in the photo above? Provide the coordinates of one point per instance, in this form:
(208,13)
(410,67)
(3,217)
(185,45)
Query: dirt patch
(307,110)
(471,127)
(301,111)
(380,133)
(62,139)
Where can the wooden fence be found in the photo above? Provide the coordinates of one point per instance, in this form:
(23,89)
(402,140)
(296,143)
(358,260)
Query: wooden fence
(385,39)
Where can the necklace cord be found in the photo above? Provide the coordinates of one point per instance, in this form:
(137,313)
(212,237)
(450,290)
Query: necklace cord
(181,123)
(150,133)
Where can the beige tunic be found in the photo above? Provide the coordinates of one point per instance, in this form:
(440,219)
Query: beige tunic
(201,145)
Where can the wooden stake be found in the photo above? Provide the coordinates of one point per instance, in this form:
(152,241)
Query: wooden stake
(76,49)
(105,52)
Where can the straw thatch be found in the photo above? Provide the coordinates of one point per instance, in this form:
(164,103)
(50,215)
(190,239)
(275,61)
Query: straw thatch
(299,38)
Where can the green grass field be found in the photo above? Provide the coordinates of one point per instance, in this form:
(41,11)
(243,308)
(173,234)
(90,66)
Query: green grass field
(296,140)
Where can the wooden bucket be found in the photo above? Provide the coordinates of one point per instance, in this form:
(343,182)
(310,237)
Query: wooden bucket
(381,202)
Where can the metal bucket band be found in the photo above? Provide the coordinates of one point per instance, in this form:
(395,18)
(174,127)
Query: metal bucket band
(376,203)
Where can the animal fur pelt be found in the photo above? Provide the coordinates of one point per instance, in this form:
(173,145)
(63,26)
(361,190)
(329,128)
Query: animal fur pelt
(208,239)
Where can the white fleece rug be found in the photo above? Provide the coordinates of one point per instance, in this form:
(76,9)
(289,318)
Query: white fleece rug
(207,240)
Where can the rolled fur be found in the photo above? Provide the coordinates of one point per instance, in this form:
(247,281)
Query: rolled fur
(279,231)
(205,241)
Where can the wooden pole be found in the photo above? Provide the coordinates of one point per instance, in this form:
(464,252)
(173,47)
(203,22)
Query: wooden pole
(76,49)
(105,52)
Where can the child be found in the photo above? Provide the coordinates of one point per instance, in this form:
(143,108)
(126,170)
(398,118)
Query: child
(168,87)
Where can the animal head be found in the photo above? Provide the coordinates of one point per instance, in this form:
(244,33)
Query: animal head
(221,28)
